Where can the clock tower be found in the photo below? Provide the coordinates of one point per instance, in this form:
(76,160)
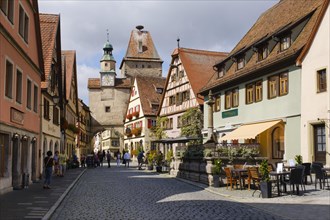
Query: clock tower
(108,66)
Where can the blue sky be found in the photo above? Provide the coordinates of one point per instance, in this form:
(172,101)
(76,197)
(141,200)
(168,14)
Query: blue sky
(215,25)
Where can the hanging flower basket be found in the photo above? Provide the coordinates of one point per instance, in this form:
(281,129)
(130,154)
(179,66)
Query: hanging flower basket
(129,116)
(136,114)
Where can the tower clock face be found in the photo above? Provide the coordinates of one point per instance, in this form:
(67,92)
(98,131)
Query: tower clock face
(107,80)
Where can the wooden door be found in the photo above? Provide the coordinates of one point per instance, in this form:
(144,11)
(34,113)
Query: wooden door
(319,143)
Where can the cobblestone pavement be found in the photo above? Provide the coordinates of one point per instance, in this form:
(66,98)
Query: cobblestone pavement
(128,193)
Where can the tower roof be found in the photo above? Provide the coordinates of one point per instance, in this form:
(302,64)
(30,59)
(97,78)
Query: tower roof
(141,47)
(107,54)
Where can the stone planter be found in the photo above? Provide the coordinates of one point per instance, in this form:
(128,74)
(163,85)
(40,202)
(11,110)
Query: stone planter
(266,189)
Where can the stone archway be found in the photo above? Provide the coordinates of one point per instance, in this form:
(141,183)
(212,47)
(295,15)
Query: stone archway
(44,148)
(51,146)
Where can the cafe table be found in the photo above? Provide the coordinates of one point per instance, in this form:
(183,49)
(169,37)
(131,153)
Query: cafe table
(279,175)
(241,173)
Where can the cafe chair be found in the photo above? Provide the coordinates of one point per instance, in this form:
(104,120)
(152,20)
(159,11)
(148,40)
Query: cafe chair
(253,175)
(320,175)
(307,172)
(230,179)
(297,178)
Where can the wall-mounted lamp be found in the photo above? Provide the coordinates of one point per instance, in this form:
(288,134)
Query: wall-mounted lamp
(33,140)
(24,138)
(55,99)
(15,136)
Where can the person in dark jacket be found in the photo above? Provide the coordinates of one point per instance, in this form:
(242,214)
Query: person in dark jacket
(48,166)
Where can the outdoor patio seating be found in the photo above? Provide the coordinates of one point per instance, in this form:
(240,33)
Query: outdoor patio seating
(296,178)
(320,175)
(307,172)
(253,175)
(230,179)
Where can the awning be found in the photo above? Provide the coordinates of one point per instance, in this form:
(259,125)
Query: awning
(249,131)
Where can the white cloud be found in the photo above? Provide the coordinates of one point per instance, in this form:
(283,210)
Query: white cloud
(85,72)
(208,25)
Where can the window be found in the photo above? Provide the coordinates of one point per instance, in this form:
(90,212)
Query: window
(7,7)
(172,100)
(216,106)
(262,52)
(278,143)
(258,94)
(250,93)
(283,84)
(46,109)
(179,98)
(322,80)
(28,94)
(272,86)
(35,99)
(179,122)
(23,24)
(221,72)
(240,62)
(186,95)
(285,42)
(228,100)
(55,115)
(19,87)
(107,108)
(235,101)
(9,80)
(181,74)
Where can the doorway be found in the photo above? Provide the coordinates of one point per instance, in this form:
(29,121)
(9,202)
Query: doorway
(319,143)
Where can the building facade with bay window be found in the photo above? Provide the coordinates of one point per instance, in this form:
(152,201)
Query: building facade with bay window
(258,90)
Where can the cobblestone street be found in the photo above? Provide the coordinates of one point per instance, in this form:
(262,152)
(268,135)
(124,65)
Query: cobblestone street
(128,193)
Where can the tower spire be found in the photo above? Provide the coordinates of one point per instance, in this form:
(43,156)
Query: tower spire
(108,35)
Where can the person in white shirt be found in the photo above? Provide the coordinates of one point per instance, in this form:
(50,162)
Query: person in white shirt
(127,158)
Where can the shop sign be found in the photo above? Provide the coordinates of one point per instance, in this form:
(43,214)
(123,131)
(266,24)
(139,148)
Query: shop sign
(16,116)
(230,113)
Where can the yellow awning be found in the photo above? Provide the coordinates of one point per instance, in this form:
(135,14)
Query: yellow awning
(249,131)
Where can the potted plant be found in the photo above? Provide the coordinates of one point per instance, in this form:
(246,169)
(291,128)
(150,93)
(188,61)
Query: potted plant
(159,162)
(129,116)
(265,184)
(150,158)
(216,171)
(298,159)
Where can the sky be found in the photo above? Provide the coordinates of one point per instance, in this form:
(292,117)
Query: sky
(215,25)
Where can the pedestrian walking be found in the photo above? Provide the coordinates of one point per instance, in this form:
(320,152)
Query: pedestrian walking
(83,160)
(48,166)
(100,156)
(108,158)
(140,159)
(118,158)
(62,161)
(127,158)
(56,163)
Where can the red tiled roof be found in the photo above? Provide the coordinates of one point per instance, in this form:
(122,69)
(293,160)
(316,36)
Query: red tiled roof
(95,83)
(149,51)
(278,17)
(70,68)
(147,87)
(48,25)
(198,65)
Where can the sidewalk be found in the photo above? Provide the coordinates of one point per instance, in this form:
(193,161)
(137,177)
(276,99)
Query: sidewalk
(36,202)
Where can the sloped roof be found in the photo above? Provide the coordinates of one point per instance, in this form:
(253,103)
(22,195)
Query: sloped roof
(48,24)
(70,61)
(149,51)
(147,87)
(95,83)
(275,20)
(198,65)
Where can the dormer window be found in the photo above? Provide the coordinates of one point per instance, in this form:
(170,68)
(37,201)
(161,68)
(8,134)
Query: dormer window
(140,46)
(221,72)
(240,62)
(159,90)
(285,42)
(262,52)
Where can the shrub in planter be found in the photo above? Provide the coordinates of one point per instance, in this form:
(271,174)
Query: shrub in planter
(136,114)
(129,116)
(265,184)
(216,171)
